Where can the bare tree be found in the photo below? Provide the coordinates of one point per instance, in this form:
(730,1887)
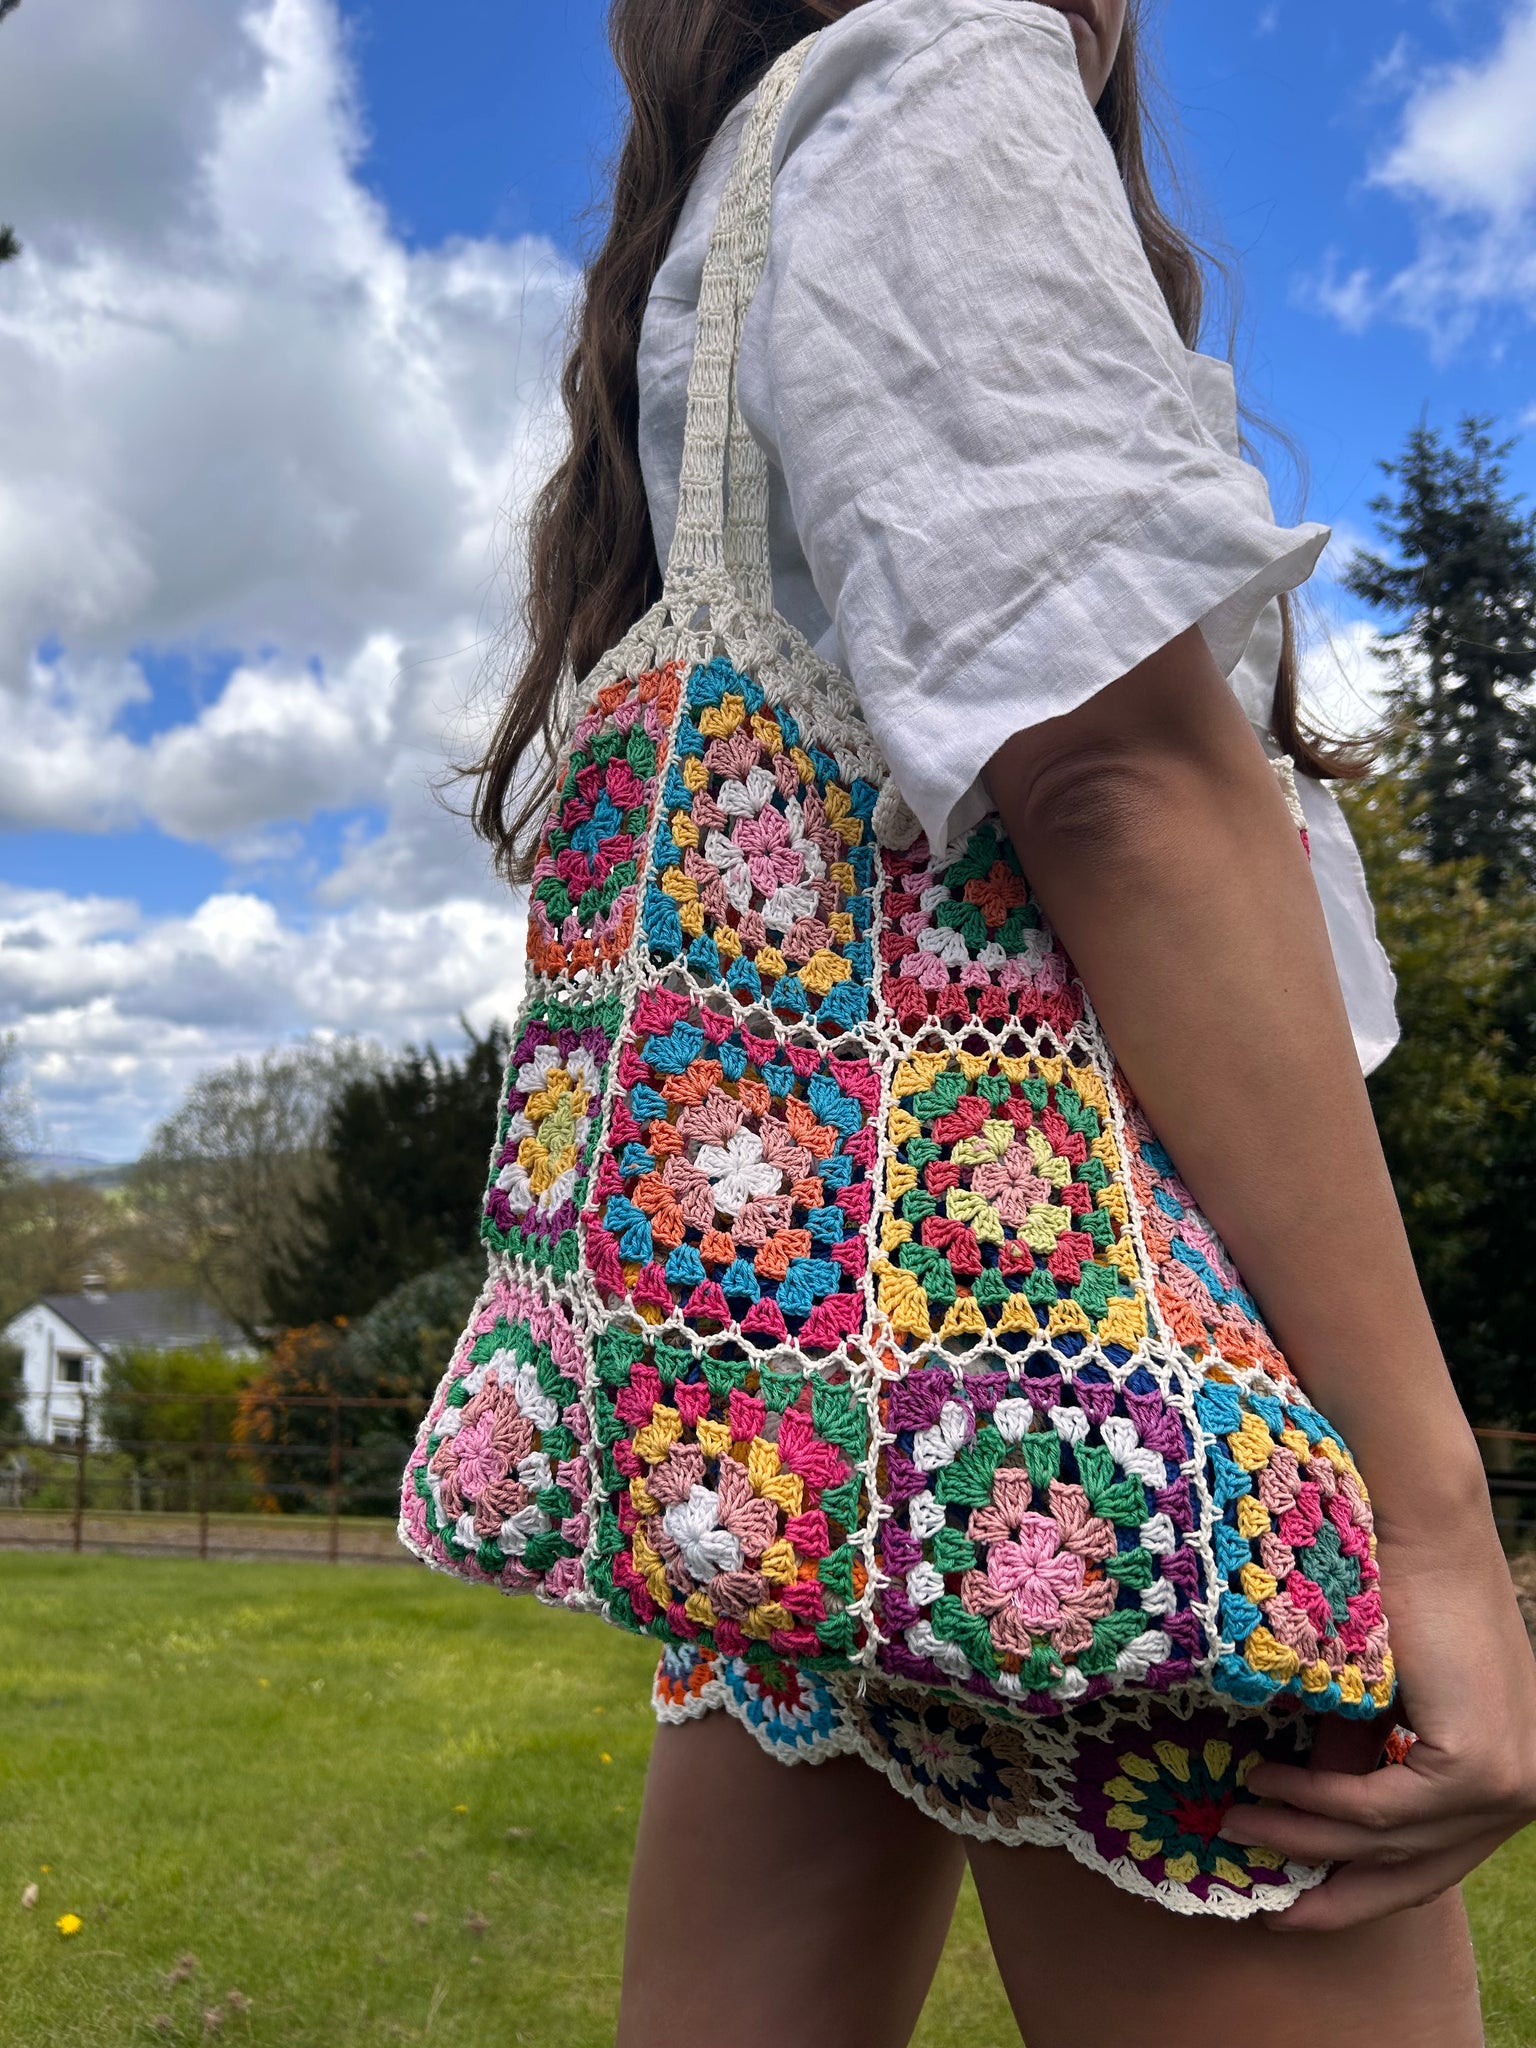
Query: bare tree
(18,1117)
(53,1229)
(218,1192)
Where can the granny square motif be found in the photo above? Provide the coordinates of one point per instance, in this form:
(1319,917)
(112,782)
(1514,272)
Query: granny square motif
(838,1329)
(763,868)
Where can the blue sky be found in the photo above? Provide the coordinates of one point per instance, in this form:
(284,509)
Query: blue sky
(313,266)
(1284,111)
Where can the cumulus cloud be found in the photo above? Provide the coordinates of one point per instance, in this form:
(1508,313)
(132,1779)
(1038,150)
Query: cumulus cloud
(258,418)
(116,1012)
(1467,140)
(1464,160)
(1350,297)
(241,418)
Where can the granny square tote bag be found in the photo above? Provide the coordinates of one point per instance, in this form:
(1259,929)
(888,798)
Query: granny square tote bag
(842,1307)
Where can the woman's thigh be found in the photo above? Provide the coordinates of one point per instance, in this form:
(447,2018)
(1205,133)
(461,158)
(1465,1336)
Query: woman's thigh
(774,1902)
(1084,1963)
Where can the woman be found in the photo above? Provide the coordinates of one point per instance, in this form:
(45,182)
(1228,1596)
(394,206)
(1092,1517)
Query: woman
(1006,500)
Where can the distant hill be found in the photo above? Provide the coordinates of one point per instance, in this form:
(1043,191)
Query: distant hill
(84,1166)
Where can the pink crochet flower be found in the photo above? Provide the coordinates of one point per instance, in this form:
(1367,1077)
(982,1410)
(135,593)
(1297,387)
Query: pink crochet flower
(1012,1185)
(1005,1511)
(481,1460)
(1032,1587)
(744,1513)
(674,1479)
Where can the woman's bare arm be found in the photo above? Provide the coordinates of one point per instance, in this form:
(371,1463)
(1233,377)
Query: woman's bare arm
(1153,830)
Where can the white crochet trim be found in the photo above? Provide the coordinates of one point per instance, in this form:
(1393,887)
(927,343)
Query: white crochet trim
(1051,1825)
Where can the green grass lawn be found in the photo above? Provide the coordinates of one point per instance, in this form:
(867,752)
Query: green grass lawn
(374,1804)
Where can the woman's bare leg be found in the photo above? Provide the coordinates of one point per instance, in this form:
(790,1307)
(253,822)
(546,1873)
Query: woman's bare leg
(772,1902)
(1083,1962)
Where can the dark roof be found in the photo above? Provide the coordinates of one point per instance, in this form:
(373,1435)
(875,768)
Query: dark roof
(157,1317)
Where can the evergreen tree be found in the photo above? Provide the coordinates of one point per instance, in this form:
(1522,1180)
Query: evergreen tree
(1436,1098)
(1463,662)
(1485,1300)
(1456,1103)
(407,1148)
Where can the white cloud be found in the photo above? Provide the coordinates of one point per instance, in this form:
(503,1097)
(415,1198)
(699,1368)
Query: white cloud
(1343,679)
(1352,299)
(276,423)
(117,1011)
(241,417)
(143,92)
(1344,541)
(1464,161)
(1468,142)
(1392,72)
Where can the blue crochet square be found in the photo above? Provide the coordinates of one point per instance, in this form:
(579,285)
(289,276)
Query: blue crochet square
(763,868)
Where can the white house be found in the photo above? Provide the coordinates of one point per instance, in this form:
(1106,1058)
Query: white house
(64,1340)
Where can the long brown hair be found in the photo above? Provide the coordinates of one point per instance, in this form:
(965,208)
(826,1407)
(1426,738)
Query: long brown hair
(592,567)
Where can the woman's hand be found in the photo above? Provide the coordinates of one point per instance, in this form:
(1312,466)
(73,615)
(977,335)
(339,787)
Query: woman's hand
(1403,1834)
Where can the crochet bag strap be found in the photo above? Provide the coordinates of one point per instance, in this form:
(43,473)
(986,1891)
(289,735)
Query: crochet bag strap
(717,443)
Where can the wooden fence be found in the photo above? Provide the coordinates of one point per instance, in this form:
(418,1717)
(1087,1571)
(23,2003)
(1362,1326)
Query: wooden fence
(315,1477)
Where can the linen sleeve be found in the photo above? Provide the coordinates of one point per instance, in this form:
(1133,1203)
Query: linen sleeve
(964,369)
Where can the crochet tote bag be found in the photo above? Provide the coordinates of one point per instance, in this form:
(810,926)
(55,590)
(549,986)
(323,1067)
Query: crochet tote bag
(842,1305)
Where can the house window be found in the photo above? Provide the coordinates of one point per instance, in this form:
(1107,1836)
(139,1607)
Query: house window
(72,1368)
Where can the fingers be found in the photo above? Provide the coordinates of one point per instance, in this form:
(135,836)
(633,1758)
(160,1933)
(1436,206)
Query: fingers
(1314,1838)
(1380,1821)
(1361,1892)
(1396,1797)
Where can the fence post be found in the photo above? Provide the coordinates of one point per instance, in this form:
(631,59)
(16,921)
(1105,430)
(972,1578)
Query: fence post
(334,1548)
(81,1443)
(204,1448)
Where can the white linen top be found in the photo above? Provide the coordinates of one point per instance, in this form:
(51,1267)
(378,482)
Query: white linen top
(997,478)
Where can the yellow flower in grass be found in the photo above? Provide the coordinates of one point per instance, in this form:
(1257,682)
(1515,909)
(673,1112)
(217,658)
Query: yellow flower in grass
(69,1923)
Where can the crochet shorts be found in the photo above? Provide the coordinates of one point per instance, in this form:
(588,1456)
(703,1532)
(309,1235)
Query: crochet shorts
(1135,1789)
